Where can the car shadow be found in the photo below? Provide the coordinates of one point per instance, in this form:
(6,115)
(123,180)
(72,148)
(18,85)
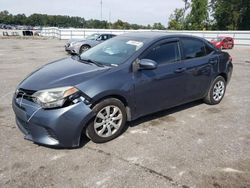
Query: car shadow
(85,140)
(164,113)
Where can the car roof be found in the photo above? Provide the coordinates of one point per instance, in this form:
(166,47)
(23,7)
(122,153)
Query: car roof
(154,35)
(104,33)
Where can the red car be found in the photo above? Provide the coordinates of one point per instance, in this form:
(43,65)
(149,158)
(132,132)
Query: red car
(223,42)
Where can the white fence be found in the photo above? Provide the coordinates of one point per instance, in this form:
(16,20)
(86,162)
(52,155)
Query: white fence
(240,37)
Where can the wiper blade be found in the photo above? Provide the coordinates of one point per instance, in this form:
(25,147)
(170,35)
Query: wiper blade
(92,61)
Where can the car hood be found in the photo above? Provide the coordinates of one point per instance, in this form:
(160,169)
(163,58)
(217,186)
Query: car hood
(64,72)
(75,40)
(81,41)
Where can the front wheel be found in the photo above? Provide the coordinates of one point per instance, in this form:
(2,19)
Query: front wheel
(109,122)
(216,91)
(84,48)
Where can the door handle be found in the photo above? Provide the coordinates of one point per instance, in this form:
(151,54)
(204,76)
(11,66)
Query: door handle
(180,70)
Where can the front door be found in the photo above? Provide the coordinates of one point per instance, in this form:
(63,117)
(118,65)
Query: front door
(164,86)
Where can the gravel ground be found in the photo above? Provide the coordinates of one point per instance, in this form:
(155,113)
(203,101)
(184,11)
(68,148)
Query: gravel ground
(194,145)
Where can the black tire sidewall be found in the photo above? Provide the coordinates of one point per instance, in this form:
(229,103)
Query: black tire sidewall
(81,48)
(90,132)
(219,78)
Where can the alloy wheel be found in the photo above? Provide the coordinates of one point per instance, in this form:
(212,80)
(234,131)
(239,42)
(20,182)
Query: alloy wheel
(218,90)
(108,121)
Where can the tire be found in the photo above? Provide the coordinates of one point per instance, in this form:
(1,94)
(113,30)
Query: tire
(216,91)
(101,129)
(84,48)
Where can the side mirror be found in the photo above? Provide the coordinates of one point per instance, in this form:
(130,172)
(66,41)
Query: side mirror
(147,64)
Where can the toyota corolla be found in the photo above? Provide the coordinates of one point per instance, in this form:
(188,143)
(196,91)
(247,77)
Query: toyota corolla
(120,80)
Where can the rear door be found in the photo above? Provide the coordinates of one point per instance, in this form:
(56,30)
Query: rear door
(200,61)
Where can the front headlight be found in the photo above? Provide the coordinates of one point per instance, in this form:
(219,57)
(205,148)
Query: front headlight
(53,98)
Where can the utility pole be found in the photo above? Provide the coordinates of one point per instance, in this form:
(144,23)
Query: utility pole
(101,10)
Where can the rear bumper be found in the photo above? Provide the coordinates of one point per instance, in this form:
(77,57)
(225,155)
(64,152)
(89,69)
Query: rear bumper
(58,127)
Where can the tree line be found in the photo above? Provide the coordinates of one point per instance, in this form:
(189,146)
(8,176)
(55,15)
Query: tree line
(211,15)
(195,15)
(45,20)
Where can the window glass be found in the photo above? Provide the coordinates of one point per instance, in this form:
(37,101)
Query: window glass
(165,53)
(104,37)
(111,36)
(93,36)
(114,51)
(209,49)
(193,48)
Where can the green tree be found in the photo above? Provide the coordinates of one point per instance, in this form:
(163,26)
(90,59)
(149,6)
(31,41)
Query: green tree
(19,19)
(6,17)
(67,21)
(158,26)
(198,16)
(245,15)
(231,14)
(119,24)
(176,20)
(226,14)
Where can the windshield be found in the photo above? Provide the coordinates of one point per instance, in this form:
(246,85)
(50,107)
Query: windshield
(93,36)
(114,51)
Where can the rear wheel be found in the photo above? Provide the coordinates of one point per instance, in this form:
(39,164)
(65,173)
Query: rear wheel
(109,122)
(216,91)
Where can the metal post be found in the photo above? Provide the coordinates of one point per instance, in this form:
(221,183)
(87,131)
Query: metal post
(60,34)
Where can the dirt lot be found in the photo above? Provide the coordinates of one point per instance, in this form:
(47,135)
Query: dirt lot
(194,145)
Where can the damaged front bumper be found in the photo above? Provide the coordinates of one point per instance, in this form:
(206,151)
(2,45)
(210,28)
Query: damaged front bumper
(54,127)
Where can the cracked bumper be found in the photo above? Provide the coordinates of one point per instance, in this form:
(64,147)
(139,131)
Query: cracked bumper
(58,127)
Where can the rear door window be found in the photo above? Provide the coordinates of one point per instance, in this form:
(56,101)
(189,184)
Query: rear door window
(104,37)
(209,49)
(111,36)
(193,48)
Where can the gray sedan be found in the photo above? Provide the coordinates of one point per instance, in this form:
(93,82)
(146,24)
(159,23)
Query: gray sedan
(79,46)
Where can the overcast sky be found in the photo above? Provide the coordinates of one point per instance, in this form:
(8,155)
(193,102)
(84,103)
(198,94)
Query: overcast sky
(132,11)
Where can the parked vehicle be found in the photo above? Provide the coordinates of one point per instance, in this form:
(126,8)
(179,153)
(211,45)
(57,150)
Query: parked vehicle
(79,46)
(119,80)
(223,42)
